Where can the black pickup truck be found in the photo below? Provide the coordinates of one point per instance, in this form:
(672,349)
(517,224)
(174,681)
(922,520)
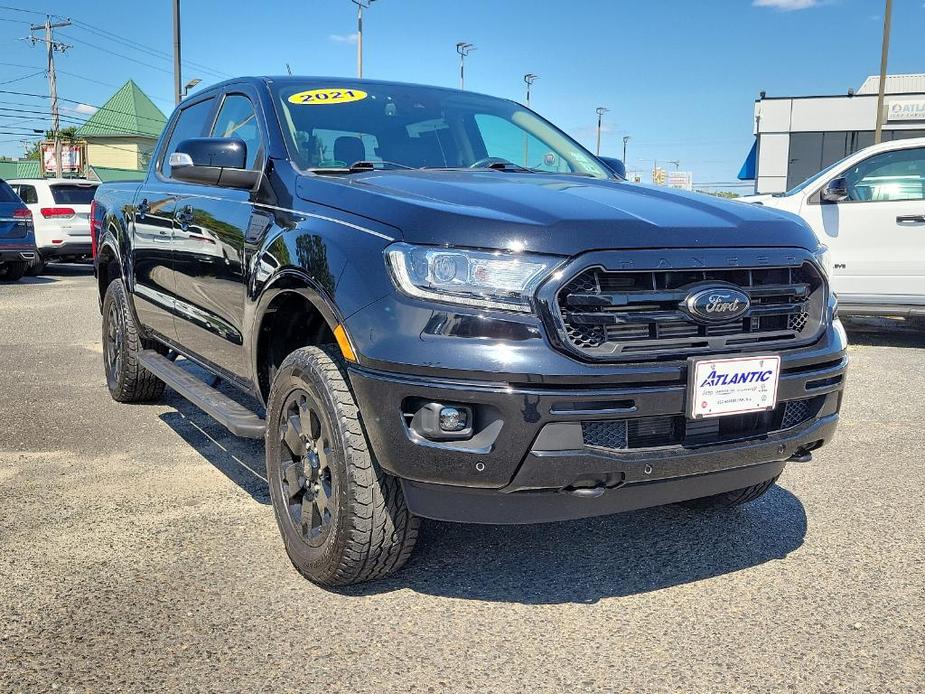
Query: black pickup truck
(448,308)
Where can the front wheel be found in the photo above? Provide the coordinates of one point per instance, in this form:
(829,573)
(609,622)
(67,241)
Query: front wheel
(342,518)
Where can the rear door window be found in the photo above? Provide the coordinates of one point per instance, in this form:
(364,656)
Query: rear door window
(27,193)
(68,194)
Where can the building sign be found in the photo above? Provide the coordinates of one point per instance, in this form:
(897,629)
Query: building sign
(72,157)
(905,109)
(682,180)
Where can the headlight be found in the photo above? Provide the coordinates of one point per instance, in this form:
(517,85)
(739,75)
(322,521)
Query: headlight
(487,279)
(824,257)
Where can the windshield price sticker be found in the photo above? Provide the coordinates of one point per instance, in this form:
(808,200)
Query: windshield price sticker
(318,97)
(733,386)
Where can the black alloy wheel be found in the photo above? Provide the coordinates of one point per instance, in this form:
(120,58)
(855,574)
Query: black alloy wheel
(307,482)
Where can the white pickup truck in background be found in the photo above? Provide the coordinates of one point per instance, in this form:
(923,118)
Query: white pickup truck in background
(869,209)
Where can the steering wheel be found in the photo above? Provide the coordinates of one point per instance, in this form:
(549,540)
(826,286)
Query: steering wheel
(489,161)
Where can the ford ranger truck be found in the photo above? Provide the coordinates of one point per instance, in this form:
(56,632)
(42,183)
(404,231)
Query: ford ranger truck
(448,308)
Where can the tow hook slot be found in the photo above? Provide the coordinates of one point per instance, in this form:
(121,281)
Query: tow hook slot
(586,492)
(593,488)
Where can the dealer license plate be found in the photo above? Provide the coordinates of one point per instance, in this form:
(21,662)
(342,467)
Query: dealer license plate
(721,387)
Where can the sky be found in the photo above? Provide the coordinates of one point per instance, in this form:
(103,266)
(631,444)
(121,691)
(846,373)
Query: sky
(679,77)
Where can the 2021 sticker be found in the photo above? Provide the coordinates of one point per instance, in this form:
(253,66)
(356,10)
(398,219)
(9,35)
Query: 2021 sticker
(318,97)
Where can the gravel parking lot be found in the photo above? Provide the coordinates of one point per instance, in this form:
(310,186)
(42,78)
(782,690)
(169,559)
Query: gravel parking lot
(138,551)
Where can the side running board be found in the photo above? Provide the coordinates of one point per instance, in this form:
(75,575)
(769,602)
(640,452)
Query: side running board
(235,417)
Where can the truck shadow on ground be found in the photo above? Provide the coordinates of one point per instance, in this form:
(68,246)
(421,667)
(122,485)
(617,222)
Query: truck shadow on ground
(569,562)
(240,460)
(610,556)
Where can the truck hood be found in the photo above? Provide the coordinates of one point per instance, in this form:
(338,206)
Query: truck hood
(548,213)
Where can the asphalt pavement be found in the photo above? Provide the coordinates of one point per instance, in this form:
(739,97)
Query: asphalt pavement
(138,551)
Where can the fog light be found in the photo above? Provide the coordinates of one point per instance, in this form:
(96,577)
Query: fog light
(453,419)
(439,422)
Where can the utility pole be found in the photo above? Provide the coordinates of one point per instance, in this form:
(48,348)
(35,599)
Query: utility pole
(361,5)
(463,49)
(626,138)
(529,79)
(51,46)
(600,121)
(884,50)
(177,77)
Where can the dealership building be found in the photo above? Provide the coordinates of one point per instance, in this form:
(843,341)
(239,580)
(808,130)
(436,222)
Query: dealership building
(797,136)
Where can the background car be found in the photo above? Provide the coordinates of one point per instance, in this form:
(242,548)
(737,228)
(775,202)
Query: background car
(61,213)
(17,241)
(869,209)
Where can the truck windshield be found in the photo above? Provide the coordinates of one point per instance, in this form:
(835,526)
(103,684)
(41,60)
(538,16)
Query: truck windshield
(333,125)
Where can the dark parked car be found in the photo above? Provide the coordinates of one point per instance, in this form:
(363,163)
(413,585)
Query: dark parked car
(17,236)
(451,309)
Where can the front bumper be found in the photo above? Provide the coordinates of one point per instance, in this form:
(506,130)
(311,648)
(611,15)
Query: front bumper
(531,464)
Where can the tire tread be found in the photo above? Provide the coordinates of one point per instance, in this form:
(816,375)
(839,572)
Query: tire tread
(382,531)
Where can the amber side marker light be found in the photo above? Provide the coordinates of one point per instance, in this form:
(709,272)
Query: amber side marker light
(344,343)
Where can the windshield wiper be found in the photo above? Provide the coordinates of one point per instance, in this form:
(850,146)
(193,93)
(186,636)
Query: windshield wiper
(358,166)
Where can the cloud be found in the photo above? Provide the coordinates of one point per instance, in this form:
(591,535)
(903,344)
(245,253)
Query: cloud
(343,38)
(786,5)
(85,108)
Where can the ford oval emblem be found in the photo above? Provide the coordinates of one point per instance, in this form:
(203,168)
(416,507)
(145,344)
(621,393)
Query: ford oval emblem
(717,304)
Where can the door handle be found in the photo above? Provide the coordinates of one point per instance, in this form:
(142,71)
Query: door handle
(184,217)
(142,209)
(911,219)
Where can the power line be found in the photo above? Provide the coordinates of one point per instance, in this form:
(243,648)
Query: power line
(25,77)
(20,9)
(154,52)
(76,101)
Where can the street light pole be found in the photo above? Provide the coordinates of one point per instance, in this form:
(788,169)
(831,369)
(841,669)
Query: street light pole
(626,138)
(529,79)
(177,79)
(884,50)
(600,121)
(361,5)
(463,49)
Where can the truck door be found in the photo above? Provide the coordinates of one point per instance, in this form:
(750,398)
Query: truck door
(211,229)
(877,235)
(151,260)
(153,236)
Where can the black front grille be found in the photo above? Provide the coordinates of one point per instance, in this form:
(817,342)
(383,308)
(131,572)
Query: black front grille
(674,430)
(614,314)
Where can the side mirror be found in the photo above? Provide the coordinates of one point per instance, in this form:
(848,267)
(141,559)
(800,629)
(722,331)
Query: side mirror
(615,165)
(836,190)
(216,161)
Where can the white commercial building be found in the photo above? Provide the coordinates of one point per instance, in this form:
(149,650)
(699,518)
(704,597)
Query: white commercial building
(796,137)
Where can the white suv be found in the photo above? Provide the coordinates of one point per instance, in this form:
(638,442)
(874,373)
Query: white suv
(61,213)
(869,209)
